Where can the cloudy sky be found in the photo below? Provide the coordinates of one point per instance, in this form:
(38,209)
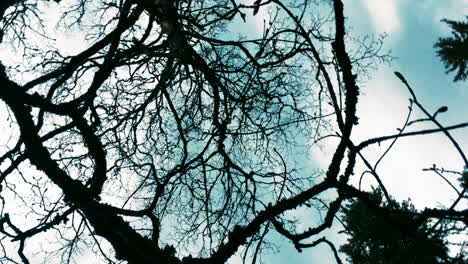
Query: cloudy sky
(412,27)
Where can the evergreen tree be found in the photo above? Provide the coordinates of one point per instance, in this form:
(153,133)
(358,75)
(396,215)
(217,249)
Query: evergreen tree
(393,237)
(453,51)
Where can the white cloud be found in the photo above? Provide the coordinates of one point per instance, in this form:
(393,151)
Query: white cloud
(384,15)
(382,109)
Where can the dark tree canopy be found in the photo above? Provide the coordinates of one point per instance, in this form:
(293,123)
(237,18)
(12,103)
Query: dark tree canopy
(175,131)
(453,51)
(392,235)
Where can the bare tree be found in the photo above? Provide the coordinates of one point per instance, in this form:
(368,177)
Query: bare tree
(168,140)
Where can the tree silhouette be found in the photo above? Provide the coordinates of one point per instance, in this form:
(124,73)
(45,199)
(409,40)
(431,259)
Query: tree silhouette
(393,237)
(453,50)
(167,138)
